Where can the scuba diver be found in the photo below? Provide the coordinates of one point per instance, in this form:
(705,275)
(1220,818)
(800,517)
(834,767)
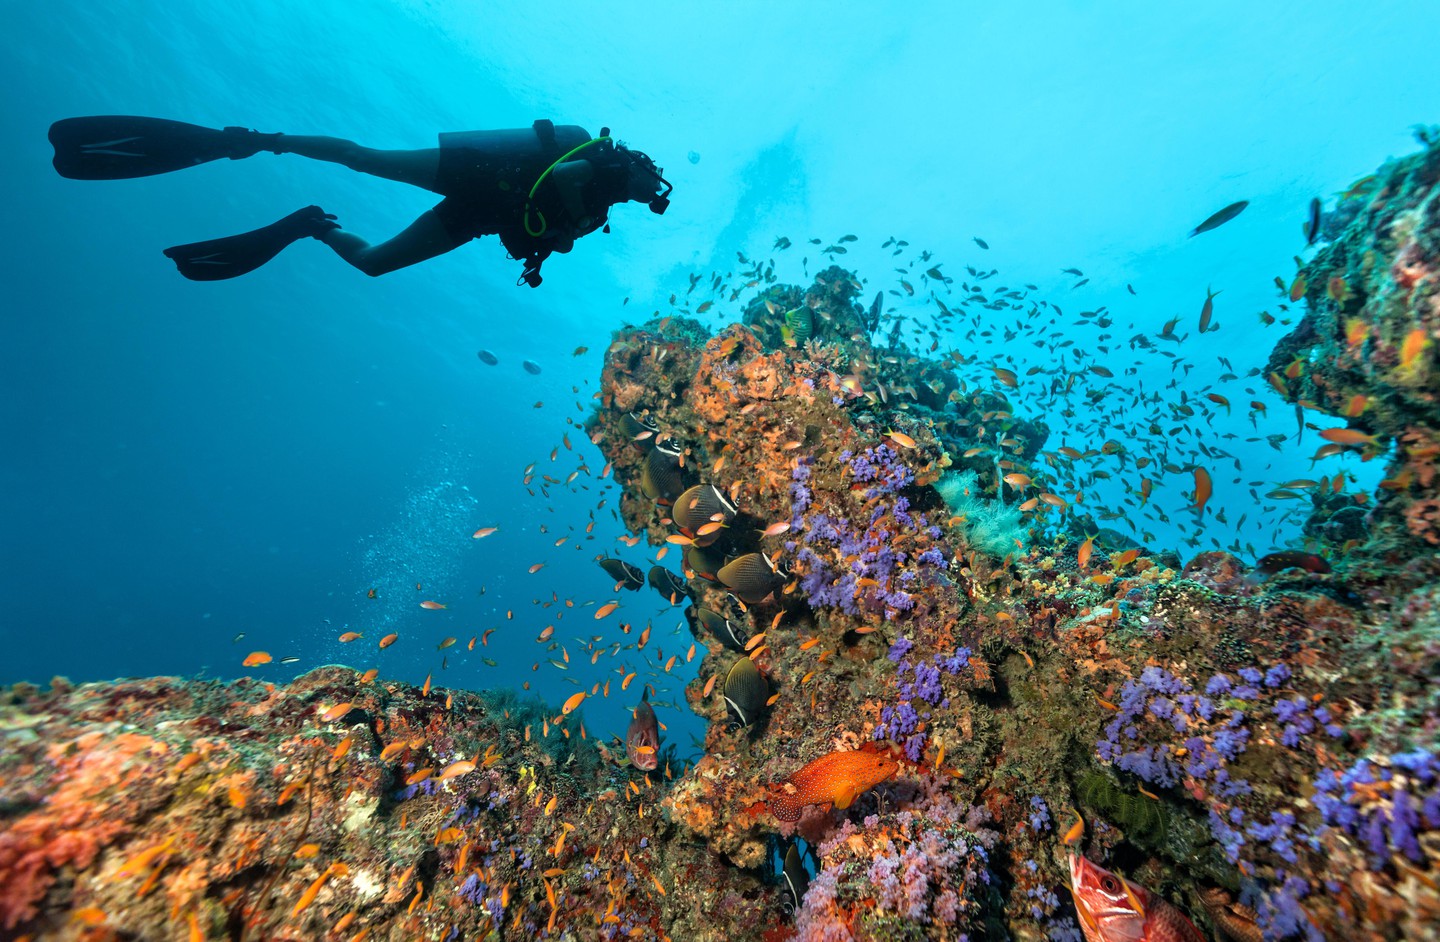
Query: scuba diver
(538,188)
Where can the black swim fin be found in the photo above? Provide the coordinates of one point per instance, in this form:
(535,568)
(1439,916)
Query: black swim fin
(232,256)
(118,147)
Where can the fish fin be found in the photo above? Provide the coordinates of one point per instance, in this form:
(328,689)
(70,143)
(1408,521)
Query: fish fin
(845,797)
(1134,897)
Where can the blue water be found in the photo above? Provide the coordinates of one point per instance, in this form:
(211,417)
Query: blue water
(186,462)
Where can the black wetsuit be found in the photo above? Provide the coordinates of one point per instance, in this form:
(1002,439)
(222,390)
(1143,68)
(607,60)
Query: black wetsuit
(486,178)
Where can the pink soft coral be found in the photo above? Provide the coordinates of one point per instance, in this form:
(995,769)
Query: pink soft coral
(75,823)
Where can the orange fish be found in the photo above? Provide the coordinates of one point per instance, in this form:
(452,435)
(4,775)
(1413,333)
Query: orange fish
(457,769)
(313,890)
(1347,436)
(1112,909)
(431,605)
(836,779)
(336,712)
(483,532)
(1355,406)
(1203,489)
(1006,377)
(388,640)
(1297,288)
(575,700)
(256,658)
(349,636)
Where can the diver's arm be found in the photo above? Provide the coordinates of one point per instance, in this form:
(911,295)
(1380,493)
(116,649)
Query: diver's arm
(425,238)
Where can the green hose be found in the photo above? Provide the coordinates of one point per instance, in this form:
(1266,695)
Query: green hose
(530,199)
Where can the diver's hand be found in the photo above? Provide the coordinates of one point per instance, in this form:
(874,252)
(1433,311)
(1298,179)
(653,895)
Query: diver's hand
(317,221)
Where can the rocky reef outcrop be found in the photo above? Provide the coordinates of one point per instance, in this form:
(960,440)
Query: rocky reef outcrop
(1365,349)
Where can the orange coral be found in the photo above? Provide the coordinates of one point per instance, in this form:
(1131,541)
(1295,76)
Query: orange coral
(1423,519)
(75,823)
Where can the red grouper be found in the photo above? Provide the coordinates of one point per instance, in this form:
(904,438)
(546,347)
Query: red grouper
(836,779)
(642,739)
(1112,909)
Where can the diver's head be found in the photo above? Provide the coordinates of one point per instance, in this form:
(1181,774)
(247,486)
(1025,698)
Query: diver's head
(626,175)
(644,181)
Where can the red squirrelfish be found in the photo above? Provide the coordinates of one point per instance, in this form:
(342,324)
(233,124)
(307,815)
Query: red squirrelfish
(1112,909)
(642,740)
(837,779)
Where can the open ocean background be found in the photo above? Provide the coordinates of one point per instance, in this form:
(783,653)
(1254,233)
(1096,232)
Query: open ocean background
(185,462)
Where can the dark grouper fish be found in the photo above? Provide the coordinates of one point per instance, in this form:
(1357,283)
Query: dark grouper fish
(642,740)
(1267,566)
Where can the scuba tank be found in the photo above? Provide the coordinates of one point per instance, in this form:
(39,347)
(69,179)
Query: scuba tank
(512,157)
(501,172)
(494,170)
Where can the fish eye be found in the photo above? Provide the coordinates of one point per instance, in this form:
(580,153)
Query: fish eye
(1110,885)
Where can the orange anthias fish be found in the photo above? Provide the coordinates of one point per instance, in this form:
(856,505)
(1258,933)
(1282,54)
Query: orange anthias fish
(642,739)
(1112,909)
(837,779)
(1203,489)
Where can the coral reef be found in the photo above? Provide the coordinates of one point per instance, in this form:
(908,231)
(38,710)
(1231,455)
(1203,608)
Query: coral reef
(1259,748)
(330,807)
(915,582)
